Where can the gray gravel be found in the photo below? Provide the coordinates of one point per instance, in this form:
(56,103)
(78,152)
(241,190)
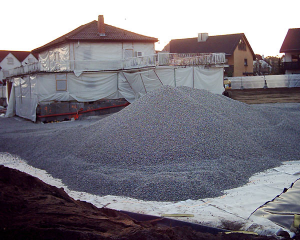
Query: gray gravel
(172,144)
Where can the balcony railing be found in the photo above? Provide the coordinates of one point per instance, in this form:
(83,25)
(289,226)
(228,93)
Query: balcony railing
(161,59)
(291,65)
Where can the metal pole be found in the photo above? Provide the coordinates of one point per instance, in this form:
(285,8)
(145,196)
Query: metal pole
(158,77)
(193,78)
(174,77)
(143,83)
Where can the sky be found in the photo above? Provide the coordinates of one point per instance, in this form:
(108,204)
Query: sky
(26,25)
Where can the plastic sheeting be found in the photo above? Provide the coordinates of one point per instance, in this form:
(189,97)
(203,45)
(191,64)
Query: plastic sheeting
(80,56)
(2,91)
(270,81)
(56,59)
(195,77)
(30,90)
(283,208)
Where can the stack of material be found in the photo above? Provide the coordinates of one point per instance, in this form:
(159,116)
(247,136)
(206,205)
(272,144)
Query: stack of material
(172,144)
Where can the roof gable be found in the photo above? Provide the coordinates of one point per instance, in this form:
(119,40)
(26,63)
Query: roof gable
(89,33)
(20,55)
(213,44)
(291,42)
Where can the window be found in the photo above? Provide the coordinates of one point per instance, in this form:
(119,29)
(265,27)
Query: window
(5,74)
(138,54)
(30,60)
(61,82)
(245,62)
(295,58)
(242,45)
(10,61)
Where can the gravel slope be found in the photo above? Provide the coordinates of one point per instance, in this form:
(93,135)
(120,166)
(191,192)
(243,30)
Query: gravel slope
(172,144)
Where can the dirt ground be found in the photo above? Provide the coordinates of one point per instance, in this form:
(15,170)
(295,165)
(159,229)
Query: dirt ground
(31,209)
(269,95)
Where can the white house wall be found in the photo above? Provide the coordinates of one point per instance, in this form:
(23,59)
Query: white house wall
(146,48)
(288,57)
(29,59)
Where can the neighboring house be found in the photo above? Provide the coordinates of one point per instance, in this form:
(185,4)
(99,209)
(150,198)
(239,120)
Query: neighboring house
(260,66)
(291,48)
(13,59)
(236,47)
(10,60)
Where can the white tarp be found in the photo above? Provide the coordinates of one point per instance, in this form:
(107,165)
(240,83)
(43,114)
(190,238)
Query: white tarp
(30,90)
(195,77)
(271,81)
(2,91)
(80,56)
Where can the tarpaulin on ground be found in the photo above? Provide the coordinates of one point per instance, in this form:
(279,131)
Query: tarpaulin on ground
(283,210)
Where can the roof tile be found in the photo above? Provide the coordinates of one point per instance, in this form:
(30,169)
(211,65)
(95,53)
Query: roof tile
(89,33)
(213,44)
(20,55)
(291,42)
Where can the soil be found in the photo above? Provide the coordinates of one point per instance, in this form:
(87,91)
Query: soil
(32,209)
(268,95)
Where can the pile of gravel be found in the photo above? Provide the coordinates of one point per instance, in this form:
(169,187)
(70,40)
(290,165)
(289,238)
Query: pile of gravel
(172,144)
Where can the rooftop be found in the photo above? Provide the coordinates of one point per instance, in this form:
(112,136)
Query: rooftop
(291,42)
(220,43)
(89,32)
(20,55)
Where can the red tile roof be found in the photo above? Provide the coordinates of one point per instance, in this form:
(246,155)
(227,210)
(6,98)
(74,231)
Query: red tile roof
(89,33)
(20,55)
(214,44)
(291,42)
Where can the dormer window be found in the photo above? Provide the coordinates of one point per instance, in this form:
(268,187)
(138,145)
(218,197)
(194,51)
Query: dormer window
(10,61)
(242,45)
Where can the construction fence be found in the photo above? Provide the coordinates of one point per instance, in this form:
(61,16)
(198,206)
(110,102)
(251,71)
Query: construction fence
(267,81)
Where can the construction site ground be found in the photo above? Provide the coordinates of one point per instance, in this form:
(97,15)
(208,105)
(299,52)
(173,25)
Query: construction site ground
(268,95)
(46,212)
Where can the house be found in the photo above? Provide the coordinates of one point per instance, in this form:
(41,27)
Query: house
(91,43)
(13,59)
(261,66)
(236,47)
(291,48)
(99,67)
(8,61)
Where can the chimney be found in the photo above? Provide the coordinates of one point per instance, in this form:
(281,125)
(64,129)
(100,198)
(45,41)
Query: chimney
(101,26)
(202,37)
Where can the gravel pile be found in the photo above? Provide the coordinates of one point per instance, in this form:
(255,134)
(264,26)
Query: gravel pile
(172,144)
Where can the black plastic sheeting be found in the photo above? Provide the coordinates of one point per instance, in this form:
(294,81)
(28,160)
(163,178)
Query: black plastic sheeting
(160,221)
(283,208)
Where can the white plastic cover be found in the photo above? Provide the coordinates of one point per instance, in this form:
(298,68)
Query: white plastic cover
(56,59)
(271,81)
(2,91)
(195,77)
(30,90)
